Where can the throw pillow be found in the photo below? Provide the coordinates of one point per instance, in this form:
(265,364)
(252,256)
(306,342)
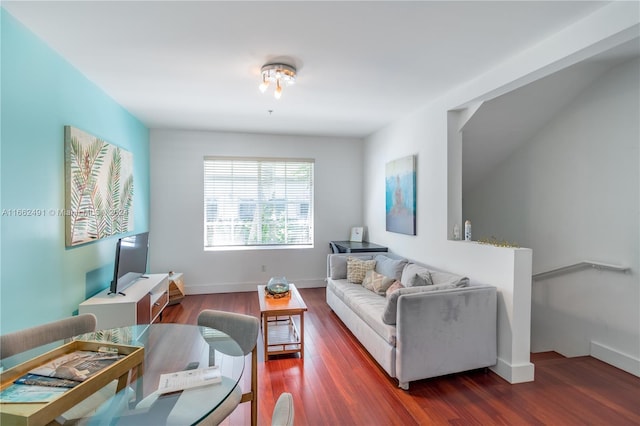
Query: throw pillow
(376,282)
(390,267)
(423,278)
(409,272)
(338,265)
(357,269)
(393,287)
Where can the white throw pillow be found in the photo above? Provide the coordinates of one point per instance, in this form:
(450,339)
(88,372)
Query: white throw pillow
(357,269)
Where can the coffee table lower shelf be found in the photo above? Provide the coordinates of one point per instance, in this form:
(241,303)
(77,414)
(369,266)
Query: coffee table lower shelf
(282,336)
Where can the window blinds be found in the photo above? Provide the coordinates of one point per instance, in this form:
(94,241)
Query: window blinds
(258,202)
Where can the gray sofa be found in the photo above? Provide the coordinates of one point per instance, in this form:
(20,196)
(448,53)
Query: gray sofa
(419,331)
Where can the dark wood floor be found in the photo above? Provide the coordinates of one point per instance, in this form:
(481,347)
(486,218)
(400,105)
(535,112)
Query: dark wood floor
(338,383)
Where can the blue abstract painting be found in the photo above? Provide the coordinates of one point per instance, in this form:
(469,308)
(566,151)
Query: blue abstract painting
(400,188)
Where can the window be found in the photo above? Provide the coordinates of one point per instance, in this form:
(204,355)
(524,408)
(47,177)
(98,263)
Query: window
(254,202)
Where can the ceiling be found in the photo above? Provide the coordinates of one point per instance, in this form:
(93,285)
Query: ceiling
(361,65)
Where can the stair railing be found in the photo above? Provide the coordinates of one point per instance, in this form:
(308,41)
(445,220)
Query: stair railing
(578,266)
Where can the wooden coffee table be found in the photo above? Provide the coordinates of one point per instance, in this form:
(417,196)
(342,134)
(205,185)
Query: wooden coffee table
(279,325)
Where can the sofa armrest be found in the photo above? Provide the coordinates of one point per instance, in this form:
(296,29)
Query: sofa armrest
(446,332)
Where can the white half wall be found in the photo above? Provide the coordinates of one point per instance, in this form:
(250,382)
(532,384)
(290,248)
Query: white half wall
(571,193)
(177,208)
(425,134)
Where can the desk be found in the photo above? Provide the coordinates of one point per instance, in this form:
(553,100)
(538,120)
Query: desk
(355,247)
(167,348)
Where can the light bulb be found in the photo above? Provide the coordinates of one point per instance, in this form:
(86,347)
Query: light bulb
(264,85)
(278,92)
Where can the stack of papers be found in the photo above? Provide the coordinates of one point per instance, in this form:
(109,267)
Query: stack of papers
(180,380)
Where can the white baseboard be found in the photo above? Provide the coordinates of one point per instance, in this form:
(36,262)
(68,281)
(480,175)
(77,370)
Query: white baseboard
(617,359)
(514,373)
(242,287)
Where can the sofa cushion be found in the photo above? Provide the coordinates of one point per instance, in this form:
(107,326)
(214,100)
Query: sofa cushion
(376,282)
(338,266)
(441,278)
(389,313)
(367,305)
(390,267)
(337,286)
(357,269)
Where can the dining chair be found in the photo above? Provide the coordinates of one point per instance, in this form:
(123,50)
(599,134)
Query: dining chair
(64,329)
(283,411)
(244,330)
(29,338)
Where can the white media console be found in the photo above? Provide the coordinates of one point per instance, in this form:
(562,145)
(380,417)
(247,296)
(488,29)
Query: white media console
(142,303)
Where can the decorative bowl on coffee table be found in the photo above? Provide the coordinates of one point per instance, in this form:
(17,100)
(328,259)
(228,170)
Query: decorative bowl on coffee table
(277,287)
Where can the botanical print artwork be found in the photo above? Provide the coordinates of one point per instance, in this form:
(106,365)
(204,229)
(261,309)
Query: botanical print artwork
(400,188)
(98,188)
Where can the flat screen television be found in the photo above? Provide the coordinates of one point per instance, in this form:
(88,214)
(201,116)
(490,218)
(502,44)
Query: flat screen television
(131,261)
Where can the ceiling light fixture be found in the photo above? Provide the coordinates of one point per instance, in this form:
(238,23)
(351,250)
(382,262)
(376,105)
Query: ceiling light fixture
(280,74)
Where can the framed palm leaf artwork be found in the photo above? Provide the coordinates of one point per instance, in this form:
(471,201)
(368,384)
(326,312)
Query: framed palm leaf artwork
(98,188)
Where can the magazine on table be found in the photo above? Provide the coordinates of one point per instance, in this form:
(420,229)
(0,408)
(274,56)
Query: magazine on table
(36,380)
(30,394)
(180,380)
(78,365)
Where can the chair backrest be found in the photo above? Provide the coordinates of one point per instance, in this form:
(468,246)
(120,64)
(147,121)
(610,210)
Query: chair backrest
(242,328)
(283,412)
(23,340)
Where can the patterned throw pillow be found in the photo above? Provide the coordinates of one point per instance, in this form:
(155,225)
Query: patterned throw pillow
(357,269)
(395,286)
(376,282)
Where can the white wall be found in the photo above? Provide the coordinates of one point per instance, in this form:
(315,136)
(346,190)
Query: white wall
(425,133)
(571,194)
(176,239)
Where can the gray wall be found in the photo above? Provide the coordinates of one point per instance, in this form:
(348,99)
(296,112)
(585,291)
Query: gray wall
(571,193)
(177,220)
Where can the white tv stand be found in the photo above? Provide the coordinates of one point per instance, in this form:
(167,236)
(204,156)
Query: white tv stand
(142,303)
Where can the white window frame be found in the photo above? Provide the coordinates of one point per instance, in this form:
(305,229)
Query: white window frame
(235,204)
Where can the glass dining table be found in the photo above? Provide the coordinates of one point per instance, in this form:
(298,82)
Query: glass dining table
(168,348)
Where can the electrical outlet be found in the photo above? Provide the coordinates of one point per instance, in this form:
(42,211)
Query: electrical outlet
(264,268)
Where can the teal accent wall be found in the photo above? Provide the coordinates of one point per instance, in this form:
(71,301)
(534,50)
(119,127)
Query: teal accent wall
(40,279)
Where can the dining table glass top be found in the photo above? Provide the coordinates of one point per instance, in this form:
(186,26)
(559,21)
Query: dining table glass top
(168,348)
